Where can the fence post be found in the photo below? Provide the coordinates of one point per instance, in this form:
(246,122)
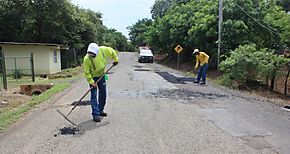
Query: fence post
(3,69)
(32,67)
(15,69)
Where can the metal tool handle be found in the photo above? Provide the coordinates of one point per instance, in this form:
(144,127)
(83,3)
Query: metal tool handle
(89,90)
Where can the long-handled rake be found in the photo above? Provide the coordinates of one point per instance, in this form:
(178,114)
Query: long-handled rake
(181,79)
(66,116)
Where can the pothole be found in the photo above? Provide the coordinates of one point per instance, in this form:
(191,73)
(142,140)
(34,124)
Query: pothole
(185,94)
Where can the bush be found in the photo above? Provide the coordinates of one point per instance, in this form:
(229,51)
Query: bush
(241,66)
(247,64)
(226,81)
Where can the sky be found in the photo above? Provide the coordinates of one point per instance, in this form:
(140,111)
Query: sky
(119,14)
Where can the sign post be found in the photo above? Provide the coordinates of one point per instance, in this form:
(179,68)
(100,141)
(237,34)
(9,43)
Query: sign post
(178,49)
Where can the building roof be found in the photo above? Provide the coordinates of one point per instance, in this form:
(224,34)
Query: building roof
(36,44)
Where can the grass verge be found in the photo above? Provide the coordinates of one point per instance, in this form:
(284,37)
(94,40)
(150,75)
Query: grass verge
(10,116)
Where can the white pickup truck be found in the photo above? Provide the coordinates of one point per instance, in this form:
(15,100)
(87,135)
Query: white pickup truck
(145,55)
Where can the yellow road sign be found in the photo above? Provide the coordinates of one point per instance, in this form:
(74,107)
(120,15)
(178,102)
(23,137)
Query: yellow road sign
(178,48)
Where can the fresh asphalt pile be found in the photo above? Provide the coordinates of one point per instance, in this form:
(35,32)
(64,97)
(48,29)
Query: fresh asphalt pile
(70,131)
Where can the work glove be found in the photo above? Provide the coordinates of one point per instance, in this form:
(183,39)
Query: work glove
(195,70)
(94,85)
(115,63)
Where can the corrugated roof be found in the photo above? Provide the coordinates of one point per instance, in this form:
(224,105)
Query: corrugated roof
(37,44)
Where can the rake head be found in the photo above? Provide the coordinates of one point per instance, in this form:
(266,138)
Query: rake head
(66,118)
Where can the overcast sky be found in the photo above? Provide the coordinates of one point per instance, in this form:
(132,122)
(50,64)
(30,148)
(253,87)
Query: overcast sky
(119,14)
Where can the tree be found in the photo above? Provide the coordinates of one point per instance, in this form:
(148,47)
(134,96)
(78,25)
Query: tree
(14,19)
(54,21)
(115,40)
(160,7)
(137,31)
(190,24)
(285,4)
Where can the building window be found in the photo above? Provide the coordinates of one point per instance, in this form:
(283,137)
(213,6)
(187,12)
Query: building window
(55,56)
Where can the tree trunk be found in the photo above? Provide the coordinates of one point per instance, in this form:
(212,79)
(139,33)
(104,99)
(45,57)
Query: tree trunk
(267,84)
(286,81)
(272,81)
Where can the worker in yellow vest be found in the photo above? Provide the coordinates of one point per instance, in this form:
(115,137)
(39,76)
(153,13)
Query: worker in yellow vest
(201,65)
(94,67)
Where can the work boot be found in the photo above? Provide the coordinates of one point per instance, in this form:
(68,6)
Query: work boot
(97,119)
(202,82)
(104,114)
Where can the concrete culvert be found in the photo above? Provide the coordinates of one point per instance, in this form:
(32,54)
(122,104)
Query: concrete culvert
(34,89)
(36,93)
(287,107)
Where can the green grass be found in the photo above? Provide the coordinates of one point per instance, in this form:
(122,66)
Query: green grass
(12,115)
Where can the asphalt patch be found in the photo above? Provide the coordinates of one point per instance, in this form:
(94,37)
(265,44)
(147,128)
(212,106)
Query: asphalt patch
(141,69)
(173,79)
(69,131)
(185,94)
(82,103)
(137,66)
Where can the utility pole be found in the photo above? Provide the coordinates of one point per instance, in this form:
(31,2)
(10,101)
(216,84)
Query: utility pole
(220,31)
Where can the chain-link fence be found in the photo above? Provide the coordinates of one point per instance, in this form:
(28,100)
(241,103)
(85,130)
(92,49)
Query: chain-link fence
(3,76)
(69,59)
(16,69)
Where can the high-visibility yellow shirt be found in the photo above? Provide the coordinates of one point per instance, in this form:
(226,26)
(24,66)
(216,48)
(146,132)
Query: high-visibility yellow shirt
(95,67)
(201,59)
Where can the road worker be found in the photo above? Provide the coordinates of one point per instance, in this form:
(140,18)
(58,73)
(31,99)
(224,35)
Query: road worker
(94,65)
(201,65)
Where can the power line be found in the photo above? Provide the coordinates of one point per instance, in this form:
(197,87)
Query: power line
(268,28)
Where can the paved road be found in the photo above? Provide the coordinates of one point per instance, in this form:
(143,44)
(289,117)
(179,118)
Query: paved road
(152,109)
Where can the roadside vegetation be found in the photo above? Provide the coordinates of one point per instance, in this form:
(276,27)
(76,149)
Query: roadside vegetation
(255,38)
(58,22)
(14,105)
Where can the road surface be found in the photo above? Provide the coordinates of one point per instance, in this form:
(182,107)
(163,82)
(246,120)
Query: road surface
(152,109)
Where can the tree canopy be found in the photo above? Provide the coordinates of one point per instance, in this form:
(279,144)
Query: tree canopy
(251,31)
(55,21)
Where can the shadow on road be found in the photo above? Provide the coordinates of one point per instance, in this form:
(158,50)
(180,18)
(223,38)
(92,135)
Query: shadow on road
(90,125)
(82,103)
(81,128)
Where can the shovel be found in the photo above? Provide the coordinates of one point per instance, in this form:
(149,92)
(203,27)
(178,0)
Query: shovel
(66,116)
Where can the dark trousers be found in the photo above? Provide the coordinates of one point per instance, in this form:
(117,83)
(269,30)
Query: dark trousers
(98,105)
(202,72)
